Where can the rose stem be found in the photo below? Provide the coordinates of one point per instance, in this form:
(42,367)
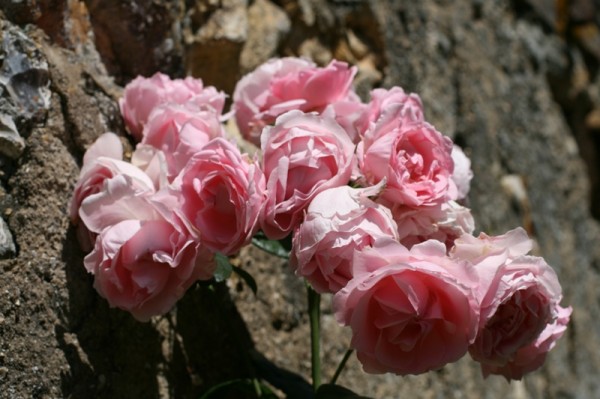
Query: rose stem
(340,367)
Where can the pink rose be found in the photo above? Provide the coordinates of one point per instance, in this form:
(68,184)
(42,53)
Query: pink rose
(349,114)
(532,356)
(92,174)
(285,84)
(338,221)
(499,249)
(519,303)
(410,311)
(143,95)
(101,165)
(108,145)
(144,267)
(414,158)
(122,197)
(518,294)
(153,163)
(445,222)
(406,107)
(180,131)
(303,154)
(462,174)
(222,194)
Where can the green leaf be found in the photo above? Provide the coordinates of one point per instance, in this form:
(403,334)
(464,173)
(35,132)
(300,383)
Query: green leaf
(331,391)
(271,246)
(224,268)
(247,277)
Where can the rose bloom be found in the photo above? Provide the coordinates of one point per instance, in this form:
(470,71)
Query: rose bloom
(142,95)
(410,311)
(350,115)
(445,222)
(303,154)
(103,162)
(121,198)
(153,163)
(93,174)
(518,295)
(180,131)
(520,302)
(221,196)
(338,221)
(532,356)
(285,84)
(144,267)
(462,174)
(414,158)
(507,247)
(405,107)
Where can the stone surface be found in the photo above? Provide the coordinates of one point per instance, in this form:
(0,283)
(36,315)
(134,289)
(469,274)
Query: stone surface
(11,144)
(7,245)
(214,40)
(24,78)
(268,24)
(147,38)
(495,76)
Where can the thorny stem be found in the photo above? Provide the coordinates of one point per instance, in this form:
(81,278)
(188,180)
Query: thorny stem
(314,312)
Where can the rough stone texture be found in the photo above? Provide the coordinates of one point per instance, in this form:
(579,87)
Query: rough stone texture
(7,245)
(11,144)
(517,89)
(24,81)
(269,25)
(214,40)
(137,37)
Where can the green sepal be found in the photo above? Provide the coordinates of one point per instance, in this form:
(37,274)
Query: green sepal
(224,268)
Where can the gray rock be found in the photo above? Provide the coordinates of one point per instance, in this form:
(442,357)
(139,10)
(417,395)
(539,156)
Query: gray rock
(24,77)
(11,144)
(148,40)
(7,245)
(267,26)
(213,49)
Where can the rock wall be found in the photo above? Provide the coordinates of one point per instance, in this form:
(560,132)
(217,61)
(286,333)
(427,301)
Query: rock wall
(513,82)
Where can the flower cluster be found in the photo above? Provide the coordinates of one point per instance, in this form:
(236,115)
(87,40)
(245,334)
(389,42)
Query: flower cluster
(371,195)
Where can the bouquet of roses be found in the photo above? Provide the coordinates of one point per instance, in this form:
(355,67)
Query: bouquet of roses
(368,196)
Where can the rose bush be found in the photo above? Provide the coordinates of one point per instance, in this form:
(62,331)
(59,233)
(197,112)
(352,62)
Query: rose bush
(372,196)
